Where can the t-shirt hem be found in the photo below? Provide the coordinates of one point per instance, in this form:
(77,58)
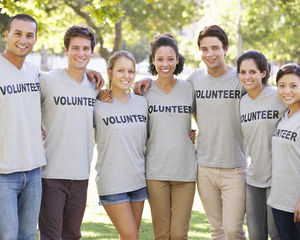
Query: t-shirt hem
(128,189)
(282,208)
(221,166)
(171,179)
(65,177)
(258,185)
(22,169)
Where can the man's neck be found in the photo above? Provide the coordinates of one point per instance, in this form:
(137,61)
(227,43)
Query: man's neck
(217,72)
(13,59)
(76,74)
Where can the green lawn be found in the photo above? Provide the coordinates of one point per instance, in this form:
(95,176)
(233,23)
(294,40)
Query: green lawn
(101,228)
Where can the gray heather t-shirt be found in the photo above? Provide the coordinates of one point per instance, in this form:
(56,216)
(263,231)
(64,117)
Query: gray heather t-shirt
(220,142)
(170,153)
(121,133)
(285,188)
(67,116)
(259,119)
(21,144)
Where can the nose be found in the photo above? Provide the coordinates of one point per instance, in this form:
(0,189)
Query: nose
(165,63)
(23,38)
(247,76)
(209,52)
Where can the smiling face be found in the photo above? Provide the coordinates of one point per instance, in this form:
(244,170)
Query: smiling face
(250,76)
(165,61)
(289,89)
(79,53)
(212,53)
(122,74)
(20,39)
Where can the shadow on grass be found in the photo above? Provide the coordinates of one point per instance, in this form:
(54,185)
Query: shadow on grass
(199,229)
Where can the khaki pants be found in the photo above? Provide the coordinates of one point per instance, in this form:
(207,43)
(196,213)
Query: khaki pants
(222,192)
(171,205)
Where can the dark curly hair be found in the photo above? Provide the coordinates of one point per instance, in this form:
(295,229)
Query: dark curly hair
(165,39)
(260,60)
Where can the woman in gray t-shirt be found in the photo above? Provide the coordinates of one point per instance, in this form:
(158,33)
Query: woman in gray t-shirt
(260,111)
(285,189)
(121,133)
(170,155)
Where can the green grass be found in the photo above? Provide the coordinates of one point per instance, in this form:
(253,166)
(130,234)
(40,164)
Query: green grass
(97,229)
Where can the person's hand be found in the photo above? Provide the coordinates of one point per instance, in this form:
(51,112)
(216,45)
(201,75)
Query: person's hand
(105,96)
(192,135)
(297,212)
(43,135)
(95,76)
(144,83)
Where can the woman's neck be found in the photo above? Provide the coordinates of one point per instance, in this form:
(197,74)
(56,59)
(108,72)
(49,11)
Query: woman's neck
(120,94)
(165,84)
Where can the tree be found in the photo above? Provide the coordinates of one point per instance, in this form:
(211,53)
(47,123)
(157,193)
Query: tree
(114,21)
(273,27)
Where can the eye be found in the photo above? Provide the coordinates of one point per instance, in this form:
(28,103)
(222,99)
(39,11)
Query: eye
(252,71)
(280,85)
(131,71)
(30,36)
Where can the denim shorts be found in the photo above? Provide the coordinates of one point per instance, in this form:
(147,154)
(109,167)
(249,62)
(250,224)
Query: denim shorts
(134,196)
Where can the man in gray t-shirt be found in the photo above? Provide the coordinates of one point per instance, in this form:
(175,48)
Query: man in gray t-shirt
(67,101)
(21,145)
(220,151)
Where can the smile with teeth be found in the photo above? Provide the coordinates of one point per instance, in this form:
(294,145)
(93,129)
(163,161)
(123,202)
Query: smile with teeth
(210,59)
(125,82)
(248,82)
(165,70)
(287,97)
(22,47)
(80,59)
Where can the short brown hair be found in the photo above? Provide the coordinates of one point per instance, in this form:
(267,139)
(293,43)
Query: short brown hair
(23,17)
(214,31)
(81,31)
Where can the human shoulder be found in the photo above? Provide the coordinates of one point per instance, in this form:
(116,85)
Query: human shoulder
(139,98)
(196,74)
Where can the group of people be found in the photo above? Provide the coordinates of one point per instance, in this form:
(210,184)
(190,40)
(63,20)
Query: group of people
(145,143)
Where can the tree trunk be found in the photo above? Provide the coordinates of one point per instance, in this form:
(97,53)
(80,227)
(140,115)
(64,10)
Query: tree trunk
(117,42)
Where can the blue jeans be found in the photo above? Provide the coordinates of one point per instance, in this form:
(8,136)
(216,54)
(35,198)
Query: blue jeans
(287,228)
(20,200)
(259,216)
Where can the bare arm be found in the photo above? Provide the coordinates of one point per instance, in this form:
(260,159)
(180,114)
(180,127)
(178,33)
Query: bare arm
(297,212)
(144,83)
(95,76)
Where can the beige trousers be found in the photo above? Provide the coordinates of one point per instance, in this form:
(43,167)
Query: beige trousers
(171,205)
(222,192)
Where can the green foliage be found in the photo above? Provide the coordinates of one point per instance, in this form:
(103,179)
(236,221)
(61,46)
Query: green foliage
(273,27)
(113,21)
(139,49)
